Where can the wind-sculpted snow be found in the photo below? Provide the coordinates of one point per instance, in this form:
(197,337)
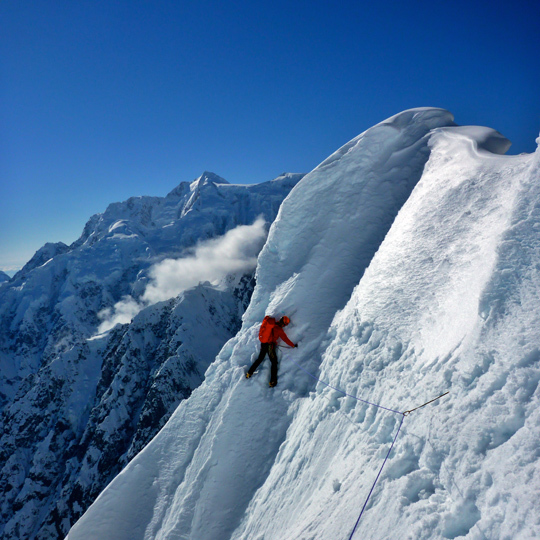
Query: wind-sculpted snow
(240,460)
(77,409)
(442,296)
(449,302)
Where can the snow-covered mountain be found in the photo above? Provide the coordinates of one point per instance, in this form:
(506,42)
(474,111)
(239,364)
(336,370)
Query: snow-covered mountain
(408,262)
(3,277)
(77,406)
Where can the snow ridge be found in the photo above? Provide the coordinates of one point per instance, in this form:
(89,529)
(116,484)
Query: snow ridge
(324,237)
(408,263)
(417,325)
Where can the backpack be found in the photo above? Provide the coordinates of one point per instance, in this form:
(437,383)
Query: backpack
(265,333)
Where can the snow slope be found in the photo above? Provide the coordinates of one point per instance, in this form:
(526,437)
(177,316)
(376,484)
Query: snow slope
(402,282)
(449,302)
(395,296)
(74,409)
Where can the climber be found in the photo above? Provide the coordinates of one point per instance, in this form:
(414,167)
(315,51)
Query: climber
(271,330)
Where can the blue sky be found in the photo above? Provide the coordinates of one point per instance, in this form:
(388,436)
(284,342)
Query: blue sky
(103,100)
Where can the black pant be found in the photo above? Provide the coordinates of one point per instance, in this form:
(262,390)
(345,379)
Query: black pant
(269,348)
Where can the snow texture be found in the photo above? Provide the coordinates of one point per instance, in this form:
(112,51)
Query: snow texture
(408,263)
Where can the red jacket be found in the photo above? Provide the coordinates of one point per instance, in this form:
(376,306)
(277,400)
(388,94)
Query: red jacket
(278,332)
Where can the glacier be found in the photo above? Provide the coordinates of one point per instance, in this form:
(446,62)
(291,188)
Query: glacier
(408,263)
(76,406)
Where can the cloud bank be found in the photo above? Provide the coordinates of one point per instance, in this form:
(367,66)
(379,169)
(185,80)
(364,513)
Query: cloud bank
(212,260)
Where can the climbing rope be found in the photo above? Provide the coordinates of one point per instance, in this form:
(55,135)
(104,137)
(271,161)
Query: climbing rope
(341,391)
(402,414)
(377,478)
(406,413)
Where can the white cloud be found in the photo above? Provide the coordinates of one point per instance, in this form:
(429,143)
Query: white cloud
(212,260)
(122,312)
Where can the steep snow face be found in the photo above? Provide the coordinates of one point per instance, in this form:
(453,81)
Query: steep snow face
(240,460)
(326,234)
(449,302)
(76,409)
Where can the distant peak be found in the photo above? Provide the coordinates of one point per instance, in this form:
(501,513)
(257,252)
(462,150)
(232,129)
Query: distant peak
(289,176)
(42,255)
(205,178)
(208,176)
